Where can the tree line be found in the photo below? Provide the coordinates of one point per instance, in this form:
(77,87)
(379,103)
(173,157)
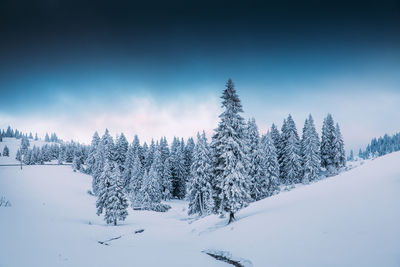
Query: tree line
(381,146)
(222,176)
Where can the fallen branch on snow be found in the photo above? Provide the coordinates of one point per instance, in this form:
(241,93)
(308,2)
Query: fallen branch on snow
(228,258)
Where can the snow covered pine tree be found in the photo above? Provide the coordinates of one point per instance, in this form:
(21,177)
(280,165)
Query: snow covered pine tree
(200,189)
(230,159)
(310,152)
(111,198)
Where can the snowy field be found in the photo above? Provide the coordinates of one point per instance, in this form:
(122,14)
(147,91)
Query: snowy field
(348,220)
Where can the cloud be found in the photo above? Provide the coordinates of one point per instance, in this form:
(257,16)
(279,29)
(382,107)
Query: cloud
(144,116)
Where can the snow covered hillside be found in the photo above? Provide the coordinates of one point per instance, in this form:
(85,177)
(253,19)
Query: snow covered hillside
(348,220)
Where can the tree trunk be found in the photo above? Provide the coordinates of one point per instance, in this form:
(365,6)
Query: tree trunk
(231,217)
(115,221)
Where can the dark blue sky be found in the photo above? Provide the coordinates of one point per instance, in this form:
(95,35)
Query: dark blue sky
(67,57)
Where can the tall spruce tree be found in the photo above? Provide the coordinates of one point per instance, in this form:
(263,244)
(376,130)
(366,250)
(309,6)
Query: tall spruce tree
(200,189)
(270,163)
(90,161)
(230,159)
(178,170)
(188,157)
(276,136)
(136,173)
(290,164)
(151,190)
(121,149)
(150,155)
(328,145)
(340,157)
(310,152)
(166,182)
(256,168)
(105,151)
(111,198)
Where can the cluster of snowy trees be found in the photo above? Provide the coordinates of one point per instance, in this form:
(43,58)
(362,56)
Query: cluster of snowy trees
(381,146)
(9,132)
(222,176)
(144,174)
(52,138)
(239,166)
(71,152)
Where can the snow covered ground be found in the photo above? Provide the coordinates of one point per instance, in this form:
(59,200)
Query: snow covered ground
(348,220)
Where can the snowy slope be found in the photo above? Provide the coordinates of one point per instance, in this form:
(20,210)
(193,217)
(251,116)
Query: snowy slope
(348,220)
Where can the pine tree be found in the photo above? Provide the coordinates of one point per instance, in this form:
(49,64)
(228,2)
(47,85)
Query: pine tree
(178,171)
(105,151)
(229,144)
(166,182)
(200,189)
(24,145)
(310,152)
(151,190)
(188,158)
(270,163)
(290,164)
(6,151)
(275,135)
(158,165)
(18,156)
(76,163)
(91,159)
(351,156)
(111,198)
(134,150)
(255,167)
(47,138)
(164,149)
(150,155)
(121,149)
(340,156)
(328,145)
(135,181)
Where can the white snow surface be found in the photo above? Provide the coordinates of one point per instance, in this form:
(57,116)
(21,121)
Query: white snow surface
(348,220)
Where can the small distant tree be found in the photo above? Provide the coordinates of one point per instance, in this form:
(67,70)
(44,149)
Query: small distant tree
(351,156)
(6,151)
(76,163)
(18,156)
